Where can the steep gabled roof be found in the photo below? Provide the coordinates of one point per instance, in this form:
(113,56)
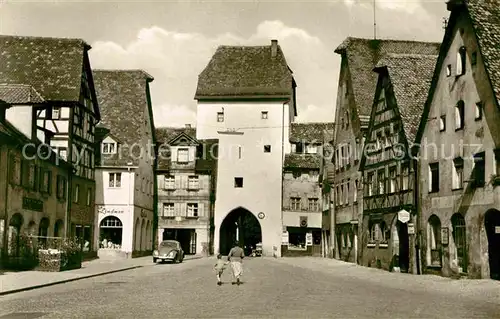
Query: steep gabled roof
(19,94)
(362,56)
(191,140)
(311,132)
(411,77)
(53,66)
(123,98)
(245,71)
(485,18)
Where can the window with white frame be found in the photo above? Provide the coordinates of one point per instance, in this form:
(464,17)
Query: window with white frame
(169,182)
(461,55)
(355,193)
(478,114)
(182,155)
(313,204)
(168,209)
(369,184)
(458,173)
(392,179)
(193,182)
(295,203)
(459,115)
(347,191)
(115,180)
(381,181)
(341,194)
(192,209)
(108,148)
(405,177)
(442,123)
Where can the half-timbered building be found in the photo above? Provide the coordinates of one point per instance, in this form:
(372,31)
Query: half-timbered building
(59,69)
(356,88)
(389,197)
(460,142)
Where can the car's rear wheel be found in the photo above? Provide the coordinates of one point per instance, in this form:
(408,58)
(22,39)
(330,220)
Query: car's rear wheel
(154,260)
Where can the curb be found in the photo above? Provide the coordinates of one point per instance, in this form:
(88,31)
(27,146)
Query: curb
(8,292)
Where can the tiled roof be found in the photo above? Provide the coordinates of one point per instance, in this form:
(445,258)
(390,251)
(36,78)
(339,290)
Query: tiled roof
(122,97)
(311,132)
(19,94)
(295,160)
(53,66)
(411,77)
(363,55)
(245,71)
(485,16)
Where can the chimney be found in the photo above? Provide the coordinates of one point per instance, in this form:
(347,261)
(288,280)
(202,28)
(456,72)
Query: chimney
(274,48)
(188,125)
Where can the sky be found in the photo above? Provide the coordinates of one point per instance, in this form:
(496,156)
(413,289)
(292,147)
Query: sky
(174,40)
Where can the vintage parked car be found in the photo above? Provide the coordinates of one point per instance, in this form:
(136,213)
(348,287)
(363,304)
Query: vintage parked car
(169,250)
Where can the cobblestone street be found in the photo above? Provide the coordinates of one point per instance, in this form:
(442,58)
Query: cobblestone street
(272,288)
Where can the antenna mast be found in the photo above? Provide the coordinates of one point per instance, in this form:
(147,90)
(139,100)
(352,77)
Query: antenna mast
(374,21)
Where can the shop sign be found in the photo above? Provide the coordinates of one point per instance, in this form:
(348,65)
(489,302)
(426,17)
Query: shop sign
(411,229)
(32,204)
(284,238)
(309,239)
(107,211)
(403,216)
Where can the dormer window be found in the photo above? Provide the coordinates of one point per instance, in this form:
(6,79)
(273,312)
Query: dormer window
(461,61)
(108,148)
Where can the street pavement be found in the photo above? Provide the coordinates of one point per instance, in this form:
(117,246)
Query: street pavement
(272,288)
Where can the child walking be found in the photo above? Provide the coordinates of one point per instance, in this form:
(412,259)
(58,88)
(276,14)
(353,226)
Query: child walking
(219,268)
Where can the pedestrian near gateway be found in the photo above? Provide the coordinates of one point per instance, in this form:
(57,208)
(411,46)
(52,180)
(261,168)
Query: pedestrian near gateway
(236,256)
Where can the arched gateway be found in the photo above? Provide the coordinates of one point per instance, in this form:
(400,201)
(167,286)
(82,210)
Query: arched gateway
(240,224)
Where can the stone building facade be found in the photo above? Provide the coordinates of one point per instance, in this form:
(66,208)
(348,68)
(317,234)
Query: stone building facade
(459,139)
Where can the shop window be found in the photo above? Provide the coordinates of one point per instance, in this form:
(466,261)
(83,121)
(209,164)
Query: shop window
(460,240)
(110,233)
(297,238)
(434,241)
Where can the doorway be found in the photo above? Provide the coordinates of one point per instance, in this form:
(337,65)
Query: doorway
(185,237)
(242,226)
(492,225)
(404,247)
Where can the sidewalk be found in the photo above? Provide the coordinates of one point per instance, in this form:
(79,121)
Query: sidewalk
(12,282)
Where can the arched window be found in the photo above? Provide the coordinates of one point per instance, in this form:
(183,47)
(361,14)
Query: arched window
(460,240)
(461,58)
(111,232)
(434,241)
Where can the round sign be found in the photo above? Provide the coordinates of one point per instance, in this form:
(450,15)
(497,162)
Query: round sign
(303,223)
(261,215)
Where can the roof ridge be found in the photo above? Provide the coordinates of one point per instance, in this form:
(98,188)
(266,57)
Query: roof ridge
(42,37)
(393,40)
(409,55)
(123,71)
